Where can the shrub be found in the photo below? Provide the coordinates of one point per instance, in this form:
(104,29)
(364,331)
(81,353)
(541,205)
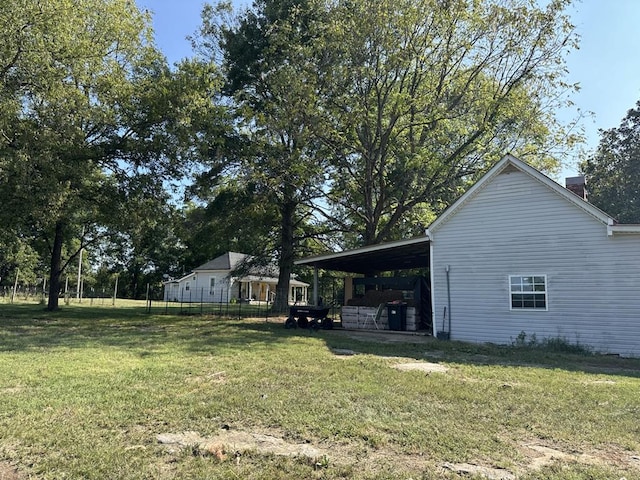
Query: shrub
(552,344)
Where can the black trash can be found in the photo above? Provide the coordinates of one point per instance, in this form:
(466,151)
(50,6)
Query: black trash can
(397,315)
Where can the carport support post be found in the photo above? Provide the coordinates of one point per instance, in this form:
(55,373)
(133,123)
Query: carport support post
(315,285)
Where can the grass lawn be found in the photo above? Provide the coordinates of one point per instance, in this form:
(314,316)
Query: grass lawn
(97,392)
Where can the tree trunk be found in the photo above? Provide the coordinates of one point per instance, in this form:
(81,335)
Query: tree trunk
(56,267)
(134,283)
(285,263)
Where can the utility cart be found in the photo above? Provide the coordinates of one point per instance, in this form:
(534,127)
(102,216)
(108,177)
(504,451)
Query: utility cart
(309,316)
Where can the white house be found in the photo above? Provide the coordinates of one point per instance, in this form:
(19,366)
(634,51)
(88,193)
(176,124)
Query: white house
(520,253)
(217,282)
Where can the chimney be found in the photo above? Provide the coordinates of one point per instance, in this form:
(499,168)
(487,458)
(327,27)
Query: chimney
(577,185)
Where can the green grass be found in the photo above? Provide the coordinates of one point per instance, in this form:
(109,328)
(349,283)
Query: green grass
(85,391)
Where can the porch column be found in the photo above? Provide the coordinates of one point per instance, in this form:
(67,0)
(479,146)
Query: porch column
(315,285)
(348,288)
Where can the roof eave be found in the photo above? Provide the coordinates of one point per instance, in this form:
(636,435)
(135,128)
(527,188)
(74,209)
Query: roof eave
(623,229)
(367,249)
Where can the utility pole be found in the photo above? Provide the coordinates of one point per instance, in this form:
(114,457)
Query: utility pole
(79,285)
(115,291)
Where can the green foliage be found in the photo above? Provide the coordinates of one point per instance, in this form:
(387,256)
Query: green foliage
(424,96)
(16,253)
(271,81)
(94,123)
(522,341)
(613,171)
(233,219)
(550,344)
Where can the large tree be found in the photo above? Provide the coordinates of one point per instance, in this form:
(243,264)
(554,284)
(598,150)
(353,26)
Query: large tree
(424,95)
(265,56)
(89,110)
(230,218)
(613,171)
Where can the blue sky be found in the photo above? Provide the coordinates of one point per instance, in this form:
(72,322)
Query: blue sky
(607,65)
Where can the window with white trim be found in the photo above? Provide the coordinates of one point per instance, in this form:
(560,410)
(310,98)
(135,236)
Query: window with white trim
(528,292)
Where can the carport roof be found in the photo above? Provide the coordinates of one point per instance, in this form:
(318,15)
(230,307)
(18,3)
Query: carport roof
(385,257)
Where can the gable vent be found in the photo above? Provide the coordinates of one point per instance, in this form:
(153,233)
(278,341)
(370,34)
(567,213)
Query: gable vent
(509,169)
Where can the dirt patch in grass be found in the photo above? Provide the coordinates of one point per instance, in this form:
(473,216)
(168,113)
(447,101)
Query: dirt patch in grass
(426,367)
(232,444)
(541,455)
(9,472)
(480,471)
(403,366)
(9,391)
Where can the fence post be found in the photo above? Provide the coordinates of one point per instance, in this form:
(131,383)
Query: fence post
(148,300)
(115,291)
(201,298)
(15,285)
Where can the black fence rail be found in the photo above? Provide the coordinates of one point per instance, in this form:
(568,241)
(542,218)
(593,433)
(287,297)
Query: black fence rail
(220,309)
(195,303)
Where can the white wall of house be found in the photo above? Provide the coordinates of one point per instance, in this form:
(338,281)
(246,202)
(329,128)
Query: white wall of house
(171,291)
(516,225)
(218,287)
(201,286)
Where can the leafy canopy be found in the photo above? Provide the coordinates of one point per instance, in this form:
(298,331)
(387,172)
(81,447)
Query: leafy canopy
(613,171)
(420,97)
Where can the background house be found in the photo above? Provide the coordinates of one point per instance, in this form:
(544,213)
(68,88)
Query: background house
(231,277)
(520,253)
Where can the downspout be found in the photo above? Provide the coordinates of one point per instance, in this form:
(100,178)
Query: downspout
(446,269)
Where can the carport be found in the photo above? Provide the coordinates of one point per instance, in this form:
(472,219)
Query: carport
(372,260)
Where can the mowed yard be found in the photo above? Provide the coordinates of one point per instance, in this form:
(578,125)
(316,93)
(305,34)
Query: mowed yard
(114,393)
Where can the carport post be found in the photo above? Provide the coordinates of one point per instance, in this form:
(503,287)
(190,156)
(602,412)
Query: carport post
(315,285)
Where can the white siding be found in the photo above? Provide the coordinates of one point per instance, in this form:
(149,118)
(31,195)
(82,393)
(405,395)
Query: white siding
(516,225)
(199,288)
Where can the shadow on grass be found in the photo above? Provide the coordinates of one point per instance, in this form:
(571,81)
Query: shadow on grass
(427,348)
(31,327)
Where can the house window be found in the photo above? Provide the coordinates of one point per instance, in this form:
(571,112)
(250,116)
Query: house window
(212,283)
(186,286)
(528,292)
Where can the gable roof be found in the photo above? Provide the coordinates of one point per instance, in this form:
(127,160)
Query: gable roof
(226,261)
(238,263)
(507,162)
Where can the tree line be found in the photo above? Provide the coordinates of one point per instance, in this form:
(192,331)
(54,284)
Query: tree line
(295,127)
